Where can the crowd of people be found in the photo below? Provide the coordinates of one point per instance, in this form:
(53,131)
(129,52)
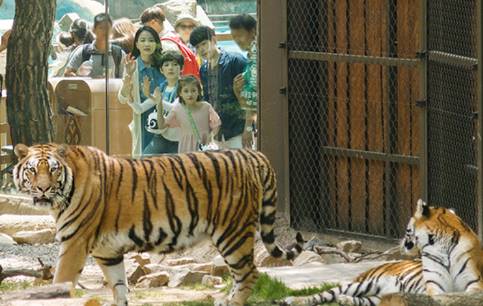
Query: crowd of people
(186,93)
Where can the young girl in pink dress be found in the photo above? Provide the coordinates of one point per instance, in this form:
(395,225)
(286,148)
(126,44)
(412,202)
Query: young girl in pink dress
(197,120)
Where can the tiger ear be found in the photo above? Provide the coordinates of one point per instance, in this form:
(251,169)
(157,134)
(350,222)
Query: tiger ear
(422,209)
(61,150)
(21,150)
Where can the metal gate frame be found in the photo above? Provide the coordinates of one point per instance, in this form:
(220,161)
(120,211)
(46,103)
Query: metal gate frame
(273,108)
(479,95)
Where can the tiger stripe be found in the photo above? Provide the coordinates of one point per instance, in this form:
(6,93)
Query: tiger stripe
(106,206)
(451,260)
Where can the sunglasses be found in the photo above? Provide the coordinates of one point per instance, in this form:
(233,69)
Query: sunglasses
(186,26)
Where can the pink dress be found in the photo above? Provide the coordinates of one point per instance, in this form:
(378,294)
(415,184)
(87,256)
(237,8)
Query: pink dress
(204,116)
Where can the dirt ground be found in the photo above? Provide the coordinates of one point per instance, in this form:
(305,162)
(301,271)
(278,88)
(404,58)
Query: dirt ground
(21,256)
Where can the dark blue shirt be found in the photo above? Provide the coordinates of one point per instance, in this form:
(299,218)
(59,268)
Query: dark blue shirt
(225,102)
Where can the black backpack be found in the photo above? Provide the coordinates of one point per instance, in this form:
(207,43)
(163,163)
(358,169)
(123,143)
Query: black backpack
(116,55)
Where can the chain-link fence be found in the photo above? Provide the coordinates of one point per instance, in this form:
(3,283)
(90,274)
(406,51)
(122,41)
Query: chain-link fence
(379,91)
(452,106)
(353,125)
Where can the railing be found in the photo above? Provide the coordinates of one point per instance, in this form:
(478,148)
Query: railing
(5,139)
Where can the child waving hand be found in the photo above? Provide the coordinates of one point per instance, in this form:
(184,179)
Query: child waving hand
(197,120)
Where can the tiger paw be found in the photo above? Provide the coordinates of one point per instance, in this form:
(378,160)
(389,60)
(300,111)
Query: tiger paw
(220,302)
(293,301)
(345,300)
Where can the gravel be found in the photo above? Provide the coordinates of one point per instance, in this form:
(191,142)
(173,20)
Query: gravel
(25,256)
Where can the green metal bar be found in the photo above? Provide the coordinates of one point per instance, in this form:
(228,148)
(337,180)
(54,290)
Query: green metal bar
(370,155)
(453,59)
(423,96)
(350,58)
(479,96)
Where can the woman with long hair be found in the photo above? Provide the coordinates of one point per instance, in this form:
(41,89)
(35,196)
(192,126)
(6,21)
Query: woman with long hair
(142,63)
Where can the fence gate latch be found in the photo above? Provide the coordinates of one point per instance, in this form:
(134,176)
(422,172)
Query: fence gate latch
(422,103)
(422,54)
(282,45)
(283,91)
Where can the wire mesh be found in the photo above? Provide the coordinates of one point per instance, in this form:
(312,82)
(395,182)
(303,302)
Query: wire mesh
(452,26)
(353,132)
(452,120)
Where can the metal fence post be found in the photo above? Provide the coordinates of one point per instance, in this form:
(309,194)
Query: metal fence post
(479,47)
(273,114)
(423,116)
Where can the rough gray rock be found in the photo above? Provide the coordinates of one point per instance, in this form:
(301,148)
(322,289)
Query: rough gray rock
(153,280)
(35,237)
(211,281)
(19,205)
(185,277)
(307,257)
(10,224)
(6,240)
(349,246)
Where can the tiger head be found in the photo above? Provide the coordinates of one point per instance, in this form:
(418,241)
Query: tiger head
(43,173)
(430,226)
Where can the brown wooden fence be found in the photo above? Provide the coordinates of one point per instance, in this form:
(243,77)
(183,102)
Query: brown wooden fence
(353,74)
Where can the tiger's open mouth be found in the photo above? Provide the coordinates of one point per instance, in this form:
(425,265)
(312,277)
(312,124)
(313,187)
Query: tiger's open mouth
(42,201)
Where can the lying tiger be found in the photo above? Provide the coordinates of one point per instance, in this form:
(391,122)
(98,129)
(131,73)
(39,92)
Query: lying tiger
(451,260)
(106,206)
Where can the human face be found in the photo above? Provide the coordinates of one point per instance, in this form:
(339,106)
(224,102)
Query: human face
(184,30)
(189,93)
(146,43)
(102,30)
(171,70)
(156,25)
(243,38)
(205,49)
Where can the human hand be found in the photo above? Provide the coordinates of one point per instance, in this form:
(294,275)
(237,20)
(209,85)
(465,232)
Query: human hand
(130,64)
(247,140)
(6,37)
(4,40)
(146,86)
(156,96)
(238,83)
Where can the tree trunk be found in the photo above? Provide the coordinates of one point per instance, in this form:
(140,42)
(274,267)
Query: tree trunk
(28,108)
(449,299)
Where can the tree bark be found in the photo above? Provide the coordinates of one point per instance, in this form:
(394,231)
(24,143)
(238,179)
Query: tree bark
(28,108)
(450,299)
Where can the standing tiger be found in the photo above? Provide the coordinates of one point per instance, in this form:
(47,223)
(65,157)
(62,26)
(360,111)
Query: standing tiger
(106,206)
(451,260)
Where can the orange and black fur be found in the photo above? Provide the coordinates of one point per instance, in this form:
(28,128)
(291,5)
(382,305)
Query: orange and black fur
(106,206)
(451,261)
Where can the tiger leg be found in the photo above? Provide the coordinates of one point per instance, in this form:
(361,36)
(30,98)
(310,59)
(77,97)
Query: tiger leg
(363,294)
(475,285)
(315,299)
(433,288)
(72,258)
(238,254)
(115,274)
(359,301)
